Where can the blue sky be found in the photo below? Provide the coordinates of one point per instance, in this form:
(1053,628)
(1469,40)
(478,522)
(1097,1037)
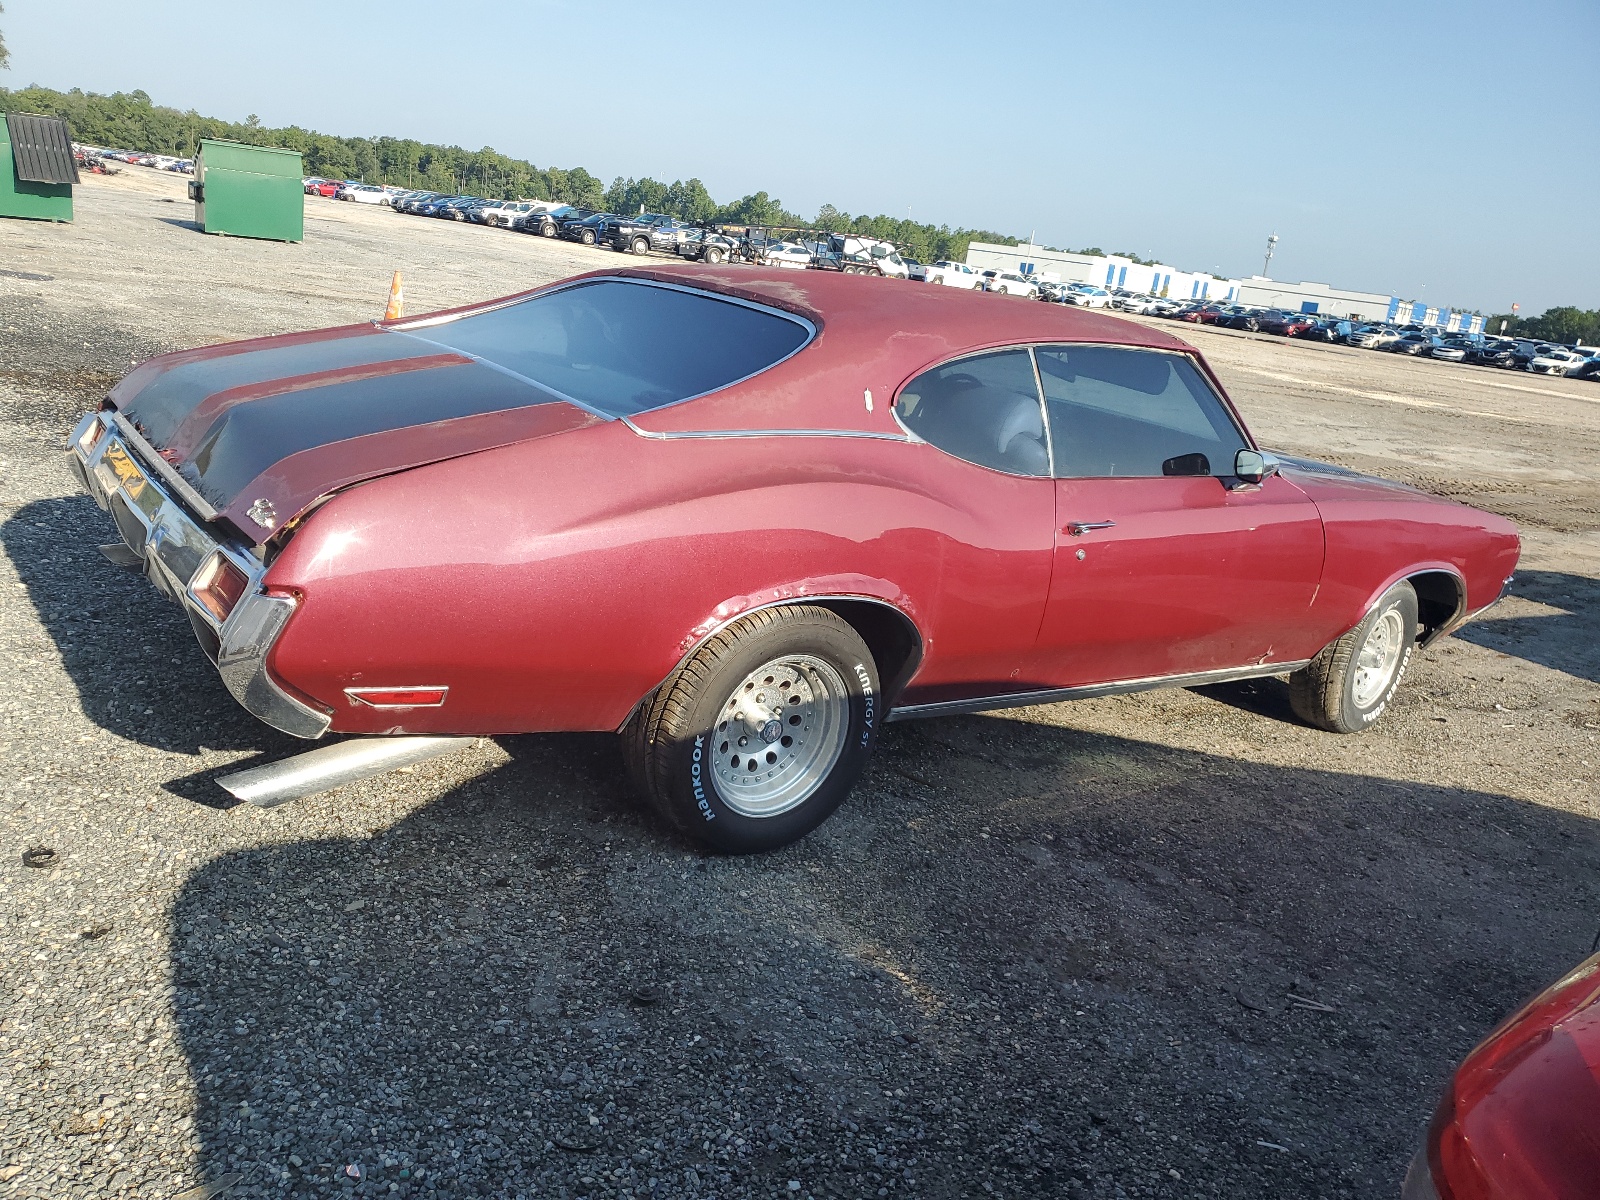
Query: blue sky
(1449,153)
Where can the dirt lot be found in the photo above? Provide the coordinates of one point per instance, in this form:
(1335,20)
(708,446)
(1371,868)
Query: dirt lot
(1047,952)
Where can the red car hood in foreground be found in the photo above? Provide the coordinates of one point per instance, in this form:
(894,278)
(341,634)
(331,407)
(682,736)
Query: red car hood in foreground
(1521,1118)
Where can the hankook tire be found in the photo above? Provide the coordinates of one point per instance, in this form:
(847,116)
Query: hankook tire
(1347,687)
(755,740)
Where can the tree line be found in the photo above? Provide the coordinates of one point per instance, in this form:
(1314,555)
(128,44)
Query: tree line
(132,121)
(1564,324)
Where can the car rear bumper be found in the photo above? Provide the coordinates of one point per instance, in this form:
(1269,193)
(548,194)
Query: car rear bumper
(175,550)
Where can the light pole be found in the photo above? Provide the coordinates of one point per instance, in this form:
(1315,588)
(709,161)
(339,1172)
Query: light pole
(1272,242)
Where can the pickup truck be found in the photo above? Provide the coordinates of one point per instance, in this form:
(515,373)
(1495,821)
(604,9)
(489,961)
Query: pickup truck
(644,233)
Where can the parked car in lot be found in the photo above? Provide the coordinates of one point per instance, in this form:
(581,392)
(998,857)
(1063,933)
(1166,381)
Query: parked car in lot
(1283,324)
(1374,337)
(324,187)
(790,255)
(954,274)
(1496,352)
(1326,329)
(1518,1119)
(1006,283)
(1416,344)
(1134,302)
(427,528)
(547,222)
(1554,361)
(1587,368)
(1455,349)
(586,230)
(363,193)
(1085,295)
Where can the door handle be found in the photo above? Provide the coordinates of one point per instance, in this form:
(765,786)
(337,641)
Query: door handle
(1079,528)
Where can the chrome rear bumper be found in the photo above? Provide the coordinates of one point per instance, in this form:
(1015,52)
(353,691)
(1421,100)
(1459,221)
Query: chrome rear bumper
(175,548)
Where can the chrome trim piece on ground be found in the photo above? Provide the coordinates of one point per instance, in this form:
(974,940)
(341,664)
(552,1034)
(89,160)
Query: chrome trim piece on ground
(332,766)
(1092,690)
(681,435)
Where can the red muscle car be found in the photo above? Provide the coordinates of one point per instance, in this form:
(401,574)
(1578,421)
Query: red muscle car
(744,517)
(1521,1118)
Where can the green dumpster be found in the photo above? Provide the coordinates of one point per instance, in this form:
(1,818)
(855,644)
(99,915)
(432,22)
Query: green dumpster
(248,191)
(37,169)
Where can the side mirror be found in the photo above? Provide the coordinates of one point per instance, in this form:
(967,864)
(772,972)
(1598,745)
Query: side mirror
(1253,466)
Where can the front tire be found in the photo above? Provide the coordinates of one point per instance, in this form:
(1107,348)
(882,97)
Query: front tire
(641,245)
(755,740)
(1347,687)
(587,237)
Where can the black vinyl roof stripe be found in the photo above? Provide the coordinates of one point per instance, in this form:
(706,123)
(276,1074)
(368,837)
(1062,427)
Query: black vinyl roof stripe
(42,148)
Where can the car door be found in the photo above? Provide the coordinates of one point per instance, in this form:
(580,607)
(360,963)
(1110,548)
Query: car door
(988,536)
(1164,564)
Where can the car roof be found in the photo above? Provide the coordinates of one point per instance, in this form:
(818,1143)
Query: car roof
(873,335)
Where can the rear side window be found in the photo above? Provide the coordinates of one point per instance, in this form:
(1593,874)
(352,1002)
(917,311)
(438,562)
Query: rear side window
(984,409)
(621,347)
(1128,412)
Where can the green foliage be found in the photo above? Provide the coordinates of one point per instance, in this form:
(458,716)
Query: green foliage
(130,120)
(1564,324)
(5,55)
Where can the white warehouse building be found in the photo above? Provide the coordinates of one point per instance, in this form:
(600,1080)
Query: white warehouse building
(1101,270)
(1158,279)
(1316,298)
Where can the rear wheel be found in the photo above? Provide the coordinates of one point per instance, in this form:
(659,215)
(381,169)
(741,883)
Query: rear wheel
(758,737)
(1347,686)
(712,255)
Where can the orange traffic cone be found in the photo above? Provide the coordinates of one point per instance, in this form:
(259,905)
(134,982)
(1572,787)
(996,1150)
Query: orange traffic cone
(397,300)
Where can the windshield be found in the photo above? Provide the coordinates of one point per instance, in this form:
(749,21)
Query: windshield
(621,347)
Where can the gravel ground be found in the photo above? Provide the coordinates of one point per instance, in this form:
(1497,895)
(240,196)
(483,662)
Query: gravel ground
(1163,945)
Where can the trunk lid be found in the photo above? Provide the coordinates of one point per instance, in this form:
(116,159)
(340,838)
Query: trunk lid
(261,429)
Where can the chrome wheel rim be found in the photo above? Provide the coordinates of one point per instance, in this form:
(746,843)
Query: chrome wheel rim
(1377,659)
(779,734)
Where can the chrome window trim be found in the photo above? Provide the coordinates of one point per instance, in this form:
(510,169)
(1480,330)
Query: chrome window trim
(1120,687)
(1038,380)
(684,434)
(913,436)
(1245,442)
(429,322)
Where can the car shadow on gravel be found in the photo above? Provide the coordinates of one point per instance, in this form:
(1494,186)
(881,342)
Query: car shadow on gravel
(129,651)
(1558,640)
(1022,959)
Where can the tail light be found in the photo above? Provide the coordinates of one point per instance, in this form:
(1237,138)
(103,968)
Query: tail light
(219,586)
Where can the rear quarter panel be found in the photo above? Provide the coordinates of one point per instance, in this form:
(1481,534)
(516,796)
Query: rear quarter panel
(552,584)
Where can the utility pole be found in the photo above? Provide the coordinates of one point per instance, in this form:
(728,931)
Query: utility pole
(1272,242)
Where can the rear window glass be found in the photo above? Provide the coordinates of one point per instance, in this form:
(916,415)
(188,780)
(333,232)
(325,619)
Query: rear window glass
(623,348)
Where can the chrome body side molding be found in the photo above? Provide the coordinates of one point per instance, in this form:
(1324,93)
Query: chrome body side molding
(1122,687)
(680,435)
